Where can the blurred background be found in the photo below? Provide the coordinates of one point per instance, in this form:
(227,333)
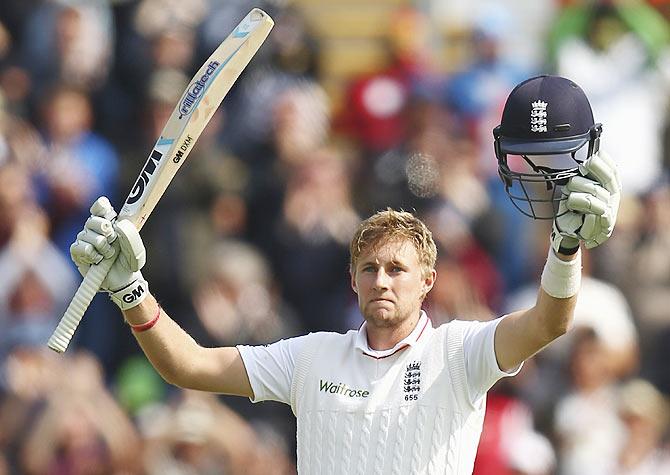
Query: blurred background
(349,107)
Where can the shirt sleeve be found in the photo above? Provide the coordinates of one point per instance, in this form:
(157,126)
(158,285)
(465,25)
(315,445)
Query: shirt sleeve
(270,368)
(481,364)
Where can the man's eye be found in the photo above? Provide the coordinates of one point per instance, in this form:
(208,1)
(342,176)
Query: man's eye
(396,269)
(368,269)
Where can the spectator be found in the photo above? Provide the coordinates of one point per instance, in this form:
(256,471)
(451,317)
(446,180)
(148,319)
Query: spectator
(68,42)
(37,281)
(300,125)
(586,423)
(185,438)
(317,219)
(471,287)
(238,299)
(507,422)
(484,83)
(531,453)
(20,143)
(27,376)
(646,277)
(79,163)
(81,429)
(626,42)
(375,113)
(644,411)
(638,263)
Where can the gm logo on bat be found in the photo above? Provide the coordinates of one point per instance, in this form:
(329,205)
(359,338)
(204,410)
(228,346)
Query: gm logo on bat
(183,149)
(196,89)
(143,179)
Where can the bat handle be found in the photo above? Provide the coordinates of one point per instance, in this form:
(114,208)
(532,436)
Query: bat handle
(64,332)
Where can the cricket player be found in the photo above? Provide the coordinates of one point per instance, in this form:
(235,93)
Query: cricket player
(398,396)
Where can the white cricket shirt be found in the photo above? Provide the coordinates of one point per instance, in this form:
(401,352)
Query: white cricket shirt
(415,408)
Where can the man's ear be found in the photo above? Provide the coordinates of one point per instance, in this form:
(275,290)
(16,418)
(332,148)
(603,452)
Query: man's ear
(353,280)
(428,282)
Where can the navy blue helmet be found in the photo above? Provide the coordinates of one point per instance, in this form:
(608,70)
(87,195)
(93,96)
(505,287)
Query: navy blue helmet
(547,130)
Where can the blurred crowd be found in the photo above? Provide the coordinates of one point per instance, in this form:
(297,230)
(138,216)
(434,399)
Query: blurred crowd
(250,242)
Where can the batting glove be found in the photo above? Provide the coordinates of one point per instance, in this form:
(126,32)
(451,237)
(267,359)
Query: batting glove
(589,209)
(104,237)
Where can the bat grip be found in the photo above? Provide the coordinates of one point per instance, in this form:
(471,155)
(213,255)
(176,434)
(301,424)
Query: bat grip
(64,332)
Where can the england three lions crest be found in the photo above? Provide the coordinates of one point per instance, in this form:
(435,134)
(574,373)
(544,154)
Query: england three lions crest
(538,117)
(412,381)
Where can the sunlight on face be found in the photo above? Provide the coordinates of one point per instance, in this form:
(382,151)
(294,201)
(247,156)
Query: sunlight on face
(390,283)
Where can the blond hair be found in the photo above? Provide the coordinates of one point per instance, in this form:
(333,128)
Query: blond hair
(389,225)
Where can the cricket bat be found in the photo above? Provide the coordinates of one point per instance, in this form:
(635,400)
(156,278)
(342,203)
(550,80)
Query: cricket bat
(190,116)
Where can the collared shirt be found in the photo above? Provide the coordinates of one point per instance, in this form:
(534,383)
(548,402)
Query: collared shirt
(415,408)
(270,367)
(409,340)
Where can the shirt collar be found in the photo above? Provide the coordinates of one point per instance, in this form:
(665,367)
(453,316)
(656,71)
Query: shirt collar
(409,340)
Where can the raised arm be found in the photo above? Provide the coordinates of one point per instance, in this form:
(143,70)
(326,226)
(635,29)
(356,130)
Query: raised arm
(173,353)
(588,213)
(523,333)
(183,362)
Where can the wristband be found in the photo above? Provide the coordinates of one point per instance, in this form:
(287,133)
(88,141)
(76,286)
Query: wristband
(131,295)
(562,279)
(142,327)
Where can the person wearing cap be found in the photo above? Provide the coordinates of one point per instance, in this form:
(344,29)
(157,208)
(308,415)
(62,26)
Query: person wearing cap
(396,396)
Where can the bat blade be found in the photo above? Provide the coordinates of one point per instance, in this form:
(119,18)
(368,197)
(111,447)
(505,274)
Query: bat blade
(190,117)
(192,113)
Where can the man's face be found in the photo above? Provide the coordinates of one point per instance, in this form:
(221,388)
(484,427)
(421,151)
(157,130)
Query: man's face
(390,283)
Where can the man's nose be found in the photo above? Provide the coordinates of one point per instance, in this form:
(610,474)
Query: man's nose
(382,279)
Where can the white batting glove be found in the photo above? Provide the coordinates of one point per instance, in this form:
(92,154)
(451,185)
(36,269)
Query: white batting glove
(589,211)
(104,238)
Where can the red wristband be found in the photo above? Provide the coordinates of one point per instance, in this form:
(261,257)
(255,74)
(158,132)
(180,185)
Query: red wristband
(142,327)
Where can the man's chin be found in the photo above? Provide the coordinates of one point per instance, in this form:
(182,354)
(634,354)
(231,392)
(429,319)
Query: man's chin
(381,318)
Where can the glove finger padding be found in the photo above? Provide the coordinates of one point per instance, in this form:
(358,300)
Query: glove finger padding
(98,241)
(84,253)
(602,169)
(586,203)
(580,184)
(589,209)
(590,228)
(130,244)
(103,208)
(102,226)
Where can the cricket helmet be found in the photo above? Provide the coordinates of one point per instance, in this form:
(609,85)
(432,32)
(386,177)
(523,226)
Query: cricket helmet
(547,130)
